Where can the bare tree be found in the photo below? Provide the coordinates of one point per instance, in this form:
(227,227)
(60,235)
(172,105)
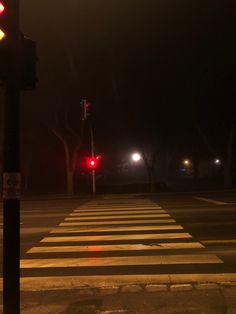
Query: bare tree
(150,152)
(218,87)
(71,141)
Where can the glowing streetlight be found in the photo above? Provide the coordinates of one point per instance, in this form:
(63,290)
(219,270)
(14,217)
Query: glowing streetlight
(136,157)
(217,161)
(186,162)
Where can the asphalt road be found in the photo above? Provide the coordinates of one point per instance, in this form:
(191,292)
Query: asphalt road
(210,218)
(38,218)
(129,235)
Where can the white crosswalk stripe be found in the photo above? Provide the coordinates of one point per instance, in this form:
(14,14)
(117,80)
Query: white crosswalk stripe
(153,236)
(131,232)
(120,216)
(116,247)
(76,222)
(103,213)
(127,228)
(122,208)
(121,261)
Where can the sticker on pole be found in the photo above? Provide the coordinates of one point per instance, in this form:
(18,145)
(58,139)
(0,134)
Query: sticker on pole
(11,185)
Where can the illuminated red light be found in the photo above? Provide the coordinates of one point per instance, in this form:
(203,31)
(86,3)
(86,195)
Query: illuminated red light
(92,163)
(2,8)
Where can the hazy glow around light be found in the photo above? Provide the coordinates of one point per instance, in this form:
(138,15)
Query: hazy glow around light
(92,163)
(186,162)
(2,34)
(217,161)
(136,157)
(2,8)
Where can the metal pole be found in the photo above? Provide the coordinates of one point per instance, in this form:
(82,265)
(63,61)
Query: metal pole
(11,171)
(92,153)
(93,182)
(11,203)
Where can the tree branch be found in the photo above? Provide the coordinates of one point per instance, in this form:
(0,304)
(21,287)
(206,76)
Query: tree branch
(205,140)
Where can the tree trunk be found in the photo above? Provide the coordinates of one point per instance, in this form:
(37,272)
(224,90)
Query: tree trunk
(151,176)
(70,182)
(167,165)
(229,159)
(69,171)
(196,164)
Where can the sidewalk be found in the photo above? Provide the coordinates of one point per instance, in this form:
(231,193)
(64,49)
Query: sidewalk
(209,300)
(177,295)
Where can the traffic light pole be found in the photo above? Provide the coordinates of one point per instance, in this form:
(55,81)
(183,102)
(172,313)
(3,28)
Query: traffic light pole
(11,202)
(11,170)
(92,154)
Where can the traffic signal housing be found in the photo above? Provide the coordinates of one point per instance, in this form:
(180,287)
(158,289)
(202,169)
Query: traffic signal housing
(4,55)
(28,64)
(3,20)
(15,48)
(85,108)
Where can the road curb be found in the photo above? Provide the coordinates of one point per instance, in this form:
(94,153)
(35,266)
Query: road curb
(153,288)
(114,283)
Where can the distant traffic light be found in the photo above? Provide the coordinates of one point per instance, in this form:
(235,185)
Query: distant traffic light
(92,163)
(85,108)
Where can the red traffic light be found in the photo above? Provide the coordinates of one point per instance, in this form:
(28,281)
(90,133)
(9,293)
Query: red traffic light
(2,8)
(92,163)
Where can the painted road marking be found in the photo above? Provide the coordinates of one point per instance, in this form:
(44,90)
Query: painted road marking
(108,219)
(116,247)
(112,203)
(219,241)
(121,261)
(210,201)
(119,216)
(105,229)
(107,208)
(76,222)
(118,237)
(119,204)
(117,212)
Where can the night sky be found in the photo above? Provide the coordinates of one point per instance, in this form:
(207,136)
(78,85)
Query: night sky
(143,65)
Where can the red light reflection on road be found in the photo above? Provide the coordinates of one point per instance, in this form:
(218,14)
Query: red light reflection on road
(95,248)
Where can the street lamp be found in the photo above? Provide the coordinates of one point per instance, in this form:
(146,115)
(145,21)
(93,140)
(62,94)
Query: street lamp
(186,162)
(136,157)
(217,161)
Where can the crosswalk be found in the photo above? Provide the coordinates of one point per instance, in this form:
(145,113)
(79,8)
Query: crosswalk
(123,236)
